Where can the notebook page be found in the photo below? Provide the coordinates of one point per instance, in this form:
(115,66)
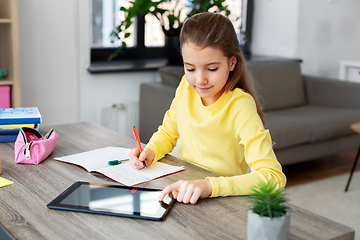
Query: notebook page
(96,159)
(129,176)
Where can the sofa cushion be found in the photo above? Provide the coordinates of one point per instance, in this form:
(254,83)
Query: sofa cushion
(171,75)
(325,122)
(279,84)
(287,131)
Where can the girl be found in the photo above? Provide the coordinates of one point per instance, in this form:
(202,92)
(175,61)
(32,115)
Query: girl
(215,116)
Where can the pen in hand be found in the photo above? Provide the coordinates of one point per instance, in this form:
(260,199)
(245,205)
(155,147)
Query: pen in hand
(136,136)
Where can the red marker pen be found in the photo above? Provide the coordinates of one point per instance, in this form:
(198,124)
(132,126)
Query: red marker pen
(136,136)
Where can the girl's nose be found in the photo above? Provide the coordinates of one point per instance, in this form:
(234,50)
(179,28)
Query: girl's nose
(201,79)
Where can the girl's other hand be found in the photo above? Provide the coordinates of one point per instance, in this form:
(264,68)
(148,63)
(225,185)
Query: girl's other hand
(136,158)
(188,191)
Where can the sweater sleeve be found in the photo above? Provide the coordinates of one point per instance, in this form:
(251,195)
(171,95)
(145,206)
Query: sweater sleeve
(258,154)
(164,140)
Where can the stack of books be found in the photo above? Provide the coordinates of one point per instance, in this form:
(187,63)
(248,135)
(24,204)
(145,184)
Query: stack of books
(13,119)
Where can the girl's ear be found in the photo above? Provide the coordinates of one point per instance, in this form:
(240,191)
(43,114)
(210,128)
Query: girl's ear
(232,63)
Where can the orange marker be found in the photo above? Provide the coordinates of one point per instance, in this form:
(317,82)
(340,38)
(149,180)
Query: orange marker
(136,136)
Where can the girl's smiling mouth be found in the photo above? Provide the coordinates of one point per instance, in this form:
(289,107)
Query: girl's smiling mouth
(202,89)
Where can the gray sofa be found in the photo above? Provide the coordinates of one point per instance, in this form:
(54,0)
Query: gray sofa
(308,117)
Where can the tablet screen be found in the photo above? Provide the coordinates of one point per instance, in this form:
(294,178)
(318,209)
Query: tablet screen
(113,200)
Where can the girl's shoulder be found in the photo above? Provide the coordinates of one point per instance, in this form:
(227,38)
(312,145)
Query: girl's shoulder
(239,94)
(241,101)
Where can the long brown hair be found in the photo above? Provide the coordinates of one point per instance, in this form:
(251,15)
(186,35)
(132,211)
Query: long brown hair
(215,30)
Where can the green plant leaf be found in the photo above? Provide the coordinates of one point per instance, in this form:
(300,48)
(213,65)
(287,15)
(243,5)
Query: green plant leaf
(267,200)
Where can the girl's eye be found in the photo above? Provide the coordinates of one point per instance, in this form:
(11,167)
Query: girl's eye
(213,69)
(190,70)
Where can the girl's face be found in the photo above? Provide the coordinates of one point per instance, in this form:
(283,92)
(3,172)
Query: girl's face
(207,71)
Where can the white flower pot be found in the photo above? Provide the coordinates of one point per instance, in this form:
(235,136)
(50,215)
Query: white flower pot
(267,228)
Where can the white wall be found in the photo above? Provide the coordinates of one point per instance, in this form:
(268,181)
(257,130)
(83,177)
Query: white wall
(55,55)
(275,28)
(321,32)
(329,32)
(48,58)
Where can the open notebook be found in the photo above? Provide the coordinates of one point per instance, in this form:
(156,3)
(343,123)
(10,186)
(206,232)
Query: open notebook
(97,161)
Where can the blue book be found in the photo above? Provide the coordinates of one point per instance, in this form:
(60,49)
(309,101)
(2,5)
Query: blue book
(8,138)
(19,115)
(9,131)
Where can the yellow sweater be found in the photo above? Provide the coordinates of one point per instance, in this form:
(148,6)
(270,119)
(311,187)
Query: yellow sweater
(226,138)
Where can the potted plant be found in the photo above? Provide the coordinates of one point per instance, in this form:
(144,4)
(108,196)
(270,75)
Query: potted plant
(268,217)
(171,18)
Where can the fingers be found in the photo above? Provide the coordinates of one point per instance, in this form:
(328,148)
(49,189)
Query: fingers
(192,195)
(137,159)
(142,158)
(171,188)
(165,192)
(186,191)
(134,159)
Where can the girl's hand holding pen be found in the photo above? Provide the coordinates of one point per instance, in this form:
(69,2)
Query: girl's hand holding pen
(136,158)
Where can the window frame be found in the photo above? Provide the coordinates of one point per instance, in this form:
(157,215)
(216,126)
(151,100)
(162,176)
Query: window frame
(137,58)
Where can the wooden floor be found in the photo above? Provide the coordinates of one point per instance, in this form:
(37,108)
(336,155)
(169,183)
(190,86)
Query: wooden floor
(321,168)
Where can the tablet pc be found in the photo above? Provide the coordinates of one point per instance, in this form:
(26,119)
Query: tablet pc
(113,200)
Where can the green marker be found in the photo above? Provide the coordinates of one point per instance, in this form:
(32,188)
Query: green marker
(115,162)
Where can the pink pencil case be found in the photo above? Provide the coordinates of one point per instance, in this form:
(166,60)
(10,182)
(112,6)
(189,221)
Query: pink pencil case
(33,148)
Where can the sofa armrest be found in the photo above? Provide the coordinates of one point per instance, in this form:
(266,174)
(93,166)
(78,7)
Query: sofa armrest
(330,92)
(155,100)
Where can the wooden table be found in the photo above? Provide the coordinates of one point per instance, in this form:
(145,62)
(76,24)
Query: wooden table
(24,214)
